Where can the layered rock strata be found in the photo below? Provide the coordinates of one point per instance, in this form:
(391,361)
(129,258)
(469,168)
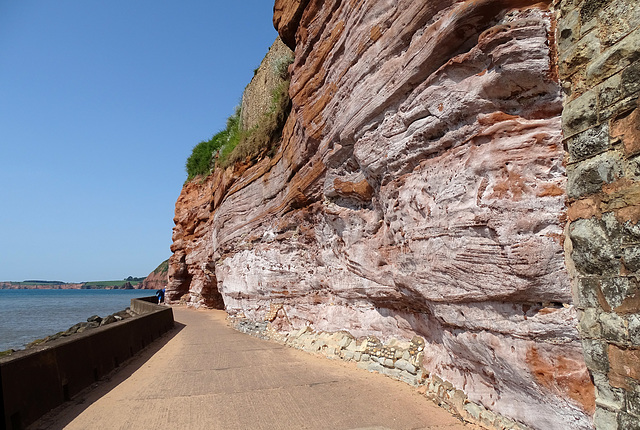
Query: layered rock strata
(418,191)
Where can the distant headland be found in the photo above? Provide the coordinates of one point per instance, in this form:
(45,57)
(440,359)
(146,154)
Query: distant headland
(155,280)
(129,283)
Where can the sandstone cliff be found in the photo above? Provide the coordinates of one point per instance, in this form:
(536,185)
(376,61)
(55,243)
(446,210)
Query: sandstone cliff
(418,189)
(158,279)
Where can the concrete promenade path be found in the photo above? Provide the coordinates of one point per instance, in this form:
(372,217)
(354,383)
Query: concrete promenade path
(206,375)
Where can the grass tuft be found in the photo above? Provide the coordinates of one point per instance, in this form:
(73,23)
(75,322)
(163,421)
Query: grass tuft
(162,268)
(234,144)
(261,139)
(201,161)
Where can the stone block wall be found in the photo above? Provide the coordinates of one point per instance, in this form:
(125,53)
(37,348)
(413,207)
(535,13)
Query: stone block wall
(257,98)
(599,67)
(400,359)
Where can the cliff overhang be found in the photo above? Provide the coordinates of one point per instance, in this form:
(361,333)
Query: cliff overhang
(419,189)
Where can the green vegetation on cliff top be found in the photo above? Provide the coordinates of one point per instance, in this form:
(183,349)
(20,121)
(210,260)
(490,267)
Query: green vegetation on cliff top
(102,284)
(235,144)
(163,267)
(202,162)
(261,139)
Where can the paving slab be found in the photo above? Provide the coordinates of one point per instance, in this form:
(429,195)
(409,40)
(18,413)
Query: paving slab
(206,375)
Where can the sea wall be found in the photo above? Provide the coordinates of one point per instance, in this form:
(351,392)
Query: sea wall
(38,379)
(599,64)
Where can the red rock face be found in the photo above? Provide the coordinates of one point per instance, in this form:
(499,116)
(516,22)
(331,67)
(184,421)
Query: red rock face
(155,281)
(419,189)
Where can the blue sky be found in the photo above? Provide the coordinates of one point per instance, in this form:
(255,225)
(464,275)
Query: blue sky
(101,103)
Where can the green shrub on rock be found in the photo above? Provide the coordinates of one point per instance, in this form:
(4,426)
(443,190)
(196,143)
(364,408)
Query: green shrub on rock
(253,132)
(201,161)
(233,144)
(261,139)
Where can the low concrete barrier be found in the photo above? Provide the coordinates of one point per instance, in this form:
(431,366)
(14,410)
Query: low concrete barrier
(36,380)
(145,305)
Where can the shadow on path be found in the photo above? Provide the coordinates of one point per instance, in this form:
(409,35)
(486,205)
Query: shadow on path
(89,395)
(204,375)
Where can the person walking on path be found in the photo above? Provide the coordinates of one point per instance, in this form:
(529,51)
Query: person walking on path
(160,295)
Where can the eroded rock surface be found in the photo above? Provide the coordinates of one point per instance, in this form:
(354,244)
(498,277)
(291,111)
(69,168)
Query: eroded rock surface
(158,279)
(418,190)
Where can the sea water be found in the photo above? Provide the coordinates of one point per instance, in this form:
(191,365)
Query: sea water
(27,315)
